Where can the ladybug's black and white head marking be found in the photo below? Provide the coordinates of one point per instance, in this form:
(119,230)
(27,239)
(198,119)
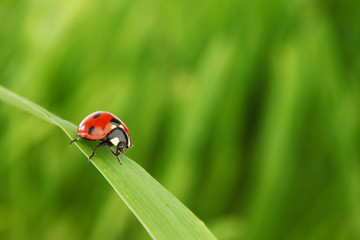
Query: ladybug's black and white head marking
(118,136)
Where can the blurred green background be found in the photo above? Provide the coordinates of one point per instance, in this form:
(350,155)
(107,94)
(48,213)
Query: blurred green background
(248,112)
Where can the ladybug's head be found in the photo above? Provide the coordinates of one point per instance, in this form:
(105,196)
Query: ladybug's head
(120,148)
(120,138)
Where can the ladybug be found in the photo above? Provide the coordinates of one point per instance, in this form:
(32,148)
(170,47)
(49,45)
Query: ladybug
(107,128)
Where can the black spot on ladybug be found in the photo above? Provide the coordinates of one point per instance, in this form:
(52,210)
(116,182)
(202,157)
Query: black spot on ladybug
(91,130)
(96,115)
(115,122)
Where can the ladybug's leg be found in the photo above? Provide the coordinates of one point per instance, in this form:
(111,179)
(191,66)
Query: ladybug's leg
(109,147)
(74,141)
(99,145)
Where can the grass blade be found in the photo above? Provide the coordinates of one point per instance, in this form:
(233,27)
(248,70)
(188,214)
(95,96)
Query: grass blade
(162,215)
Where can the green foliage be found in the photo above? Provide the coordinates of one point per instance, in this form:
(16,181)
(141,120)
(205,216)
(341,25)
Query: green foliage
(162,215)
(247,111)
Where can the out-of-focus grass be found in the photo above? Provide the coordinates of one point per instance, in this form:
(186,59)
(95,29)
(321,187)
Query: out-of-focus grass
(260,98)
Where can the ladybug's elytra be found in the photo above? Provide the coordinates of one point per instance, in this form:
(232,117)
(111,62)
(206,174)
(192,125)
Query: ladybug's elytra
(108,129)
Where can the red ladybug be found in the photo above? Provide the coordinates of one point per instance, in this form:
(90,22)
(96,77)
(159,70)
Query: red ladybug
(108,129)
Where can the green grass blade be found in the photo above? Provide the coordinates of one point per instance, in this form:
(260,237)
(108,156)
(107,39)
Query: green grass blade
(162,215)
